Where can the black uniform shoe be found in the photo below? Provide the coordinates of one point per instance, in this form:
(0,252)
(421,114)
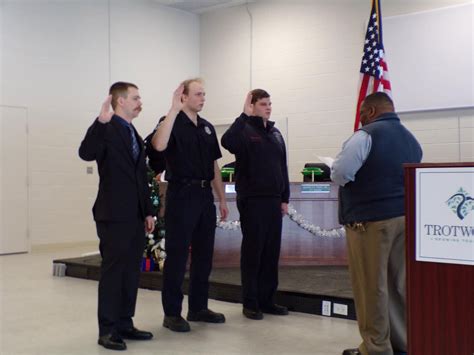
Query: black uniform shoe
(351,352)
(275,309)
(176,324)
(112,342)
(205,315)
(135,334)
(252,314)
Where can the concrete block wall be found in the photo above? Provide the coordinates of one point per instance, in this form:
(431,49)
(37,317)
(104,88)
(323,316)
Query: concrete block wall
(307,55)
(58,60)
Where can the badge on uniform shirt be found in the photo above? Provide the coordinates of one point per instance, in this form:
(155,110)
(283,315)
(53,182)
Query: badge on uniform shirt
(208,130)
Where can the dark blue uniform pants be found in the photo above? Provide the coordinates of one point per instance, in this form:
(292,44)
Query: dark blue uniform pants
(190,220)
(261,223)
(121,247)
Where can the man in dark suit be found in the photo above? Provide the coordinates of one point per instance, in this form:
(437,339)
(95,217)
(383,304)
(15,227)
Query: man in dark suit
(122,212)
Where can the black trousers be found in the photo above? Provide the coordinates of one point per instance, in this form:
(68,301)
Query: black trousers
(190,220)
(121,247)
(261,223)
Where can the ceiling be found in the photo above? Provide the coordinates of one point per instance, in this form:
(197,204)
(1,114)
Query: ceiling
(200,6)
(391,7)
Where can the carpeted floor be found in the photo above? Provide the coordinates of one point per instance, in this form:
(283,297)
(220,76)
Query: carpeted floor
(322,280)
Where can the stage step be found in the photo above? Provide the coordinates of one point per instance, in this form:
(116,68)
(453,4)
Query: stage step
(320,290)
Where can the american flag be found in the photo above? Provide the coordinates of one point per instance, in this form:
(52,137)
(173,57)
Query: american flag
(373,69)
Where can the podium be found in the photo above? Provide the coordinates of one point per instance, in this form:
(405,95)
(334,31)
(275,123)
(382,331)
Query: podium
(298,246)
(440,258)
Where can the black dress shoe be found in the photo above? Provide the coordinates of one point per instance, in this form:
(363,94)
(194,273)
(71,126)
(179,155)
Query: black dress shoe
(252,314)
(112,342)
(176,324)
(135,334)
(351,352)
(275,309)
(205,315)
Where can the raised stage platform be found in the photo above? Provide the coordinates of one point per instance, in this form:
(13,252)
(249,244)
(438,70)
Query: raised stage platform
(301,289)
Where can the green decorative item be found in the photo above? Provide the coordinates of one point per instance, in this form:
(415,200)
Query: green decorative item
(227,173)
(312,172)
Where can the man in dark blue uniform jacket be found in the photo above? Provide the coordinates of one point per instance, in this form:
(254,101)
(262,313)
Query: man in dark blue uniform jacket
(262,186)
(122,212)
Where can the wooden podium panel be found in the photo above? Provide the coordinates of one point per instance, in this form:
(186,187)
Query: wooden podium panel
(440,296)
(299,247)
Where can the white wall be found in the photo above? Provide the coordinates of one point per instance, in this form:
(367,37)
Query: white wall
(1,52)
(307,55)
(1,111)
(58,60)
(445,135)
(427,51)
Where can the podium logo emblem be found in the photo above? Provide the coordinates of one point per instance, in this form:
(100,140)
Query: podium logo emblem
(461,203)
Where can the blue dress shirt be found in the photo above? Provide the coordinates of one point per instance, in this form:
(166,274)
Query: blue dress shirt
(354,152)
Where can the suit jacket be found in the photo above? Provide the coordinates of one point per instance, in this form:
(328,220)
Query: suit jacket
(124,194)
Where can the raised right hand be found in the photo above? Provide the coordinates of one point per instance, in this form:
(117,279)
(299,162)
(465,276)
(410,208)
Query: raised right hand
(106,113)
(248,106)
(177,104)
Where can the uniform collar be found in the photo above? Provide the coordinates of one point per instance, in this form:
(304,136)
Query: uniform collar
(184,117)
(257,121)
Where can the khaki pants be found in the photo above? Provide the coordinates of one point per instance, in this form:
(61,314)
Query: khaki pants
(377,265)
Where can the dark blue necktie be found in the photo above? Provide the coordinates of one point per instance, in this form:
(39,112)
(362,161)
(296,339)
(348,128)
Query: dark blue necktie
(135,147)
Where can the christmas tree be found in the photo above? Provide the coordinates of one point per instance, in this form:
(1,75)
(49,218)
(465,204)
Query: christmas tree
(154,254)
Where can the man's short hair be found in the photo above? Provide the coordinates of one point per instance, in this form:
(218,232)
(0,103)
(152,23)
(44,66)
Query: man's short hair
(378,99)
(258,94)
(120,88)
(188,82)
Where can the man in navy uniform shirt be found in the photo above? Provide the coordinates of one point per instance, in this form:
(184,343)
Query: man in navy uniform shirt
(156,160)
(191,150)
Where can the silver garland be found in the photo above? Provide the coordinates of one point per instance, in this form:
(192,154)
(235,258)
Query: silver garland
(299,220)
(313,229)
(228,225)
